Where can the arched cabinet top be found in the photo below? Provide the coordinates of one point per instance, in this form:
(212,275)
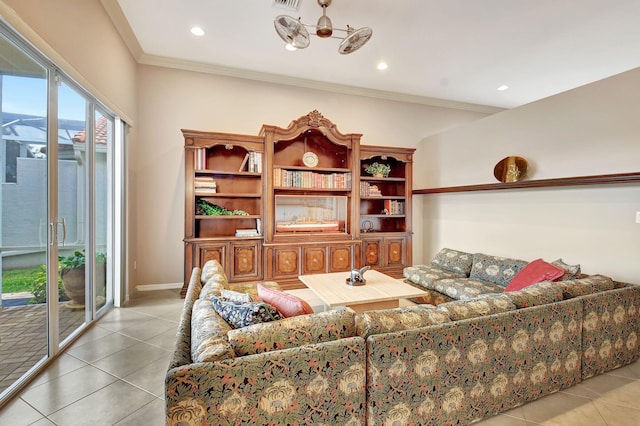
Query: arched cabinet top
(312,122)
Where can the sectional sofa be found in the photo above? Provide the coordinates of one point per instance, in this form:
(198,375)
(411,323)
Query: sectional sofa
(462,360)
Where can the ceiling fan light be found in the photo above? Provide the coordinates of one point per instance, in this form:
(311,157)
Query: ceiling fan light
(324,28)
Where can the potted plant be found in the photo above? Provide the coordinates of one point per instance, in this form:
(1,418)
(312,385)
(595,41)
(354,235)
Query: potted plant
(72,273)
(378,170)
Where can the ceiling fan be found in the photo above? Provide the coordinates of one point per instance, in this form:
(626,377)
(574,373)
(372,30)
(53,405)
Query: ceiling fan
(295,33)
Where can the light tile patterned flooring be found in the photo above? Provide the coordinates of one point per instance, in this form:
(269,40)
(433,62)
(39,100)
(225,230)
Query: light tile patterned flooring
(114,375)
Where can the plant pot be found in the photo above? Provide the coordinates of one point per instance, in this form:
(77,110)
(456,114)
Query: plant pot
(74,285)
(378,175)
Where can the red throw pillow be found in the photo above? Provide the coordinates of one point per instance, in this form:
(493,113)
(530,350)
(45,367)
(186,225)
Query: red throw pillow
(287,304)
(535,272)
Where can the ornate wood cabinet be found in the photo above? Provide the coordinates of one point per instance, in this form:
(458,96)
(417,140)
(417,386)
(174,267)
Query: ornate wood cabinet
(293,201)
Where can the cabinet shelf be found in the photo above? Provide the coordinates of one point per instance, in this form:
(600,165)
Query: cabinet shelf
(381,179)
(382,215)
(230,217)
(385,197)
(226,195)
(296,189)
(208,172)
(315,169)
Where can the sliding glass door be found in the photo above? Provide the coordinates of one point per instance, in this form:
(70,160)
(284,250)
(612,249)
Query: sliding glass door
(24,213)
(56,211)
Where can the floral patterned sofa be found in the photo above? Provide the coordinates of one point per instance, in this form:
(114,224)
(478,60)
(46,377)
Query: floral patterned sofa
(302,370)
(454,363)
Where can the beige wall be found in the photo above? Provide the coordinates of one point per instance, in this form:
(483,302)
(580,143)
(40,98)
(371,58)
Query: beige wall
(590,130)
(80,38)
(171,99)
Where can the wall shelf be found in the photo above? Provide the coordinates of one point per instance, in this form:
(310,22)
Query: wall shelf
(539,183)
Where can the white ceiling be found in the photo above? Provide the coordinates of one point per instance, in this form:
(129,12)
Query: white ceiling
(438,51)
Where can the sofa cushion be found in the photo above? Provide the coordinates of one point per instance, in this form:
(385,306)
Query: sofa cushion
(570,271)
(236,296)
(466,288)
(252,288)
(214,285)
(495,269)
(293,332)
(426,276)
(587,285)
(453,261)
(490,304)
(535,272)
(242,315)
(536,294)
(210,268)
(397,319)
(287,304)
(208,334)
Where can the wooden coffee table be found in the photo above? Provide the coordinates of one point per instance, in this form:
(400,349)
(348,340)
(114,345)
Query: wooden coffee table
(380,292)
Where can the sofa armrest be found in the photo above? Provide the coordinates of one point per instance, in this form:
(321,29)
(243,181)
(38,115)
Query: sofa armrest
(312,384)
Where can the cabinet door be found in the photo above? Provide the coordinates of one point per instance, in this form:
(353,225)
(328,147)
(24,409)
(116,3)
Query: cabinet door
(372,252)
(340,258)
(286,262)
(246,260)
(214,251)
(395,252)
(314,260)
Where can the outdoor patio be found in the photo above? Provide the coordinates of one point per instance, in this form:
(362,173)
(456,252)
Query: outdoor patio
(23,337)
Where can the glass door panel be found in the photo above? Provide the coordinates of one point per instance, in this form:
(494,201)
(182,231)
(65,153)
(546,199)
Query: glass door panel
(23,214)
(72,209)
(103,149)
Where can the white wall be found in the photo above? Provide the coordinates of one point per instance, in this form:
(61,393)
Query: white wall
(170,100)
(587,131)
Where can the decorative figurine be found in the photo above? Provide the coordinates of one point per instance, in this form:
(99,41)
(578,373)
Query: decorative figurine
(357,276)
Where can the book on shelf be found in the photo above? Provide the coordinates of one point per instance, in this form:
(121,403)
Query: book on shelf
(200,159)
(247,233)
(394,207)
(205,184)
(244,162)
(368,190)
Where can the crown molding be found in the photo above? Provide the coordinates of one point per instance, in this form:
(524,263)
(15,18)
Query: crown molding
(122,25)
(162,61)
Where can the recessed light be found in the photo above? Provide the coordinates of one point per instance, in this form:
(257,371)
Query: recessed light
(382,66)
(503,88)
(197,31)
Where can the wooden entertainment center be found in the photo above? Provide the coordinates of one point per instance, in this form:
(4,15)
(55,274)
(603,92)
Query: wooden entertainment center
(295,201)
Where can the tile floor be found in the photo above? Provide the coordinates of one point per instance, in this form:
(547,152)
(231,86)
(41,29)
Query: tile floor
(113,375)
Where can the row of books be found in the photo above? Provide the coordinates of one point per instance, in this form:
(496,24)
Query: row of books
(205,184)
(252,162)
(307,179)
(394,207)
(368,190)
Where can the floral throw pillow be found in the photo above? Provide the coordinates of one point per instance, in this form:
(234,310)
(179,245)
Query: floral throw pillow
(242,315)
(570,271)
(454,261)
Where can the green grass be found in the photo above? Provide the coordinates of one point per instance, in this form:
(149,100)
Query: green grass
(18,280)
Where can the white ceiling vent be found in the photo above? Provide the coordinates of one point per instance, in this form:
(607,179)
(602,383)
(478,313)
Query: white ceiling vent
(287,4)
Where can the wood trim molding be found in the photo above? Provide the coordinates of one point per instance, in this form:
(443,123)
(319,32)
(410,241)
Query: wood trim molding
(539,183)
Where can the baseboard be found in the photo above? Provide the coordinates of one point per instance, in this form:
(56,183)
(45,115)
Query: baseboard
(154,287)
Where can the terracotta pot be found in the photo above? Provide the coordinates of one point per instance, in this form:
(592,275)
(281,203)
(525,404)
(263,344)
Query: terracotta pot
(74,285)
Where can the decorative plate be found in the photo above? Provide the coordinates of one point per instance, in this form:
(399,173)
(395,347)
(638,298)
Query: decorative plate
(310,159)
